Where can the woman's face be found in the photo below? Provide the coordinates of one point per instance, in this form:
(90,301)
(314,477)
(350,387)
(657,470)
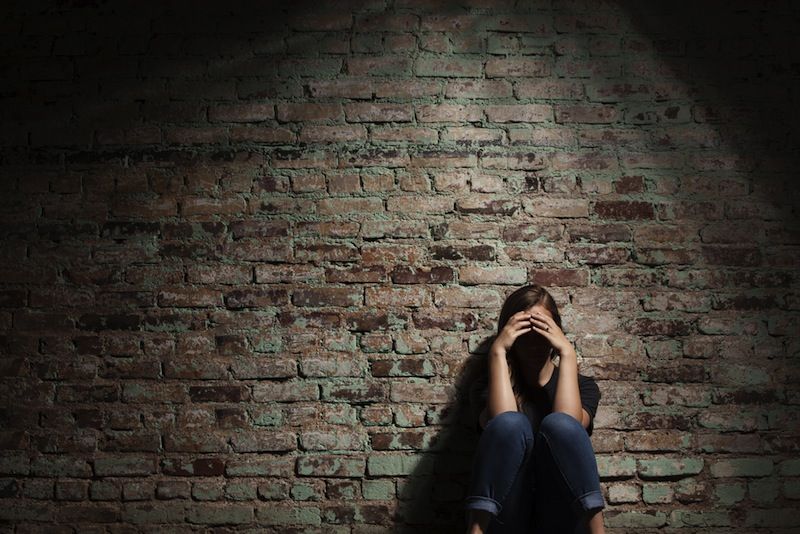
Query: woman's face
(532,344)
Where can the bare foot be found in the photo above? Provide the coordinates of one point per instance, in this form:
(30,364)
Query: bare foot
(478,521)
(595,523)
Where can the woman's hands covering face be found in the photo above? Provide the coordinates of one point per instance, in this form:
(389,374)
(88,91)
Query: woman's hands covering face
(517,325)
(545,326)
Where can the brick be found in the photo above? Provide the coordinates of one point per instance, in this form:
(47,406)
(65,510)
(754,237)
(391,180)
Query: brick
(520,113)
(690,490)
(274,490)
(772,517)
(89,513)
(550,89)
(218,393)
(71,490)
(173,489)
(741,467)
(451,67)
(764,490)
(31,511)
(124,466)
(725,442)
(103,491)
(254,368)
(691,518)
(669,467)
(312,491)
(285,391)
(394,464)
(195,136)
(586,114)
(447,113)
(149,513)
(478,89)
(402,274)
(791,489)
(378,489)
(282,514)
(64,466)
(623,493)
(189,298)
(372,66)
(419,391)
(636,519)
(789,467)
(344,514)
(656,493)
(487,205)
(332,134)
(287,112)
(240,491)
(404,367)
(354,391)
(397,296)
(330,465)
(262,465)
(616,466)
(517,67)
(368,112)
(263,442)
(466,297)
(214,514)
(556,207)
(623,209)
(343,489)
(250,112)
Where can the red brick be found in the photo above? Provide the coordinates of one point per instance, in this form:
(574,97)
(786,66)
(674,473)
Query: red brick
(288,112)
(248,112)
(512,67)
(623,209)
(196,136)
(587,114)
(520,113)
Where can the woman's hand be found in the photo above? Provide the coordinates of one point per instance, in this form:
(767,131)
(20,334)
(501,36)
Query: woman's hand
(545,325)
(517,325)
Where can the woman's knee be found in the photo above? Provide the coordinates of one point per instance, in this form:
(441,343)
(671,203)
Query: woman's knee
(510,422)
(557,424)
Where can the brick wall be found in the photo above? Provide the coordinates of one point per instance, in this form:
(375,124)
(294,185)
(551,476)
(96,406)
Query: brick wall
(251,255)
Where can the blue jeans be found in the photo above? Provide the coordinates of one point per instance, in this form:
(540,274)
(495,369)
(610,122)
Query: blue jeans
(547,483)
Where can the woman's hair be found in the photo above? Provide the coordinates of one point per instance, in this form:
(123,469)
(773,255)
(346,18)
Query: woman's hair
(521,299)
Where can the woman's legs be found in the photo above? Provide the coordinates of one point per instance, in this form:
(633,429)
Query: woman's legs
(501,476)
(566,477)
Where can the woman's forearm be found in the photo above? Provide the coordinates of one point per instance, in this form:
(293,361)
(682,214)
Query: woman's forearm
(568,395)
(501,395)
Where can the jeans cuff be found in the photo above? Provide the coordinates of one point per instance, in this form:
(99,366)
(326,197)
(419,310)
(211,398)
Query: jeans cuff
(590,501)
(478,502)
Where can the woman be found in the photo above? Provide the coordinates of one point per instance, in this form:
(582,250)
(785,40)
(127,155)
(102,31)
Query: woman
(534,469)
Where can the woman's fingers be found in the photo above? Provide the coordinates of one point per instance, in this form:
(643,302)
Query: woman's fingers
(522,326)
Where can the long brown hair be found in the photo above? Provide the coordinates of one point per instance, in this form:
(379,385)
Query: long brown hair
(519,300)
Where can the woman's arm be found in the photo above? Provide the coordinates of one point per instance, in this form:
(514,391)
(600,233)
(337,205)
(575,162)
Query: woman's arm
(568,395)
(501,396)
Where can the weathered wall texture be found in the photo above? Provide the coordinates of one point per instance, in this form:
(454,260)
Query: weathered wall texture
(248,252)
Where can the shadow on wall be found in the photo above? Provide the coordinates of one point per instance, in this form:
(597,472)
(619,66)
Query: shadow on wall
(740,63)
(431,495)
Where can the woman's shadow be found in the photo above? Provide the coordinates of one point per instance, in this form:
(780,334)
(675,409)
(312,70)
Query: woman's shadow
(431,497)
